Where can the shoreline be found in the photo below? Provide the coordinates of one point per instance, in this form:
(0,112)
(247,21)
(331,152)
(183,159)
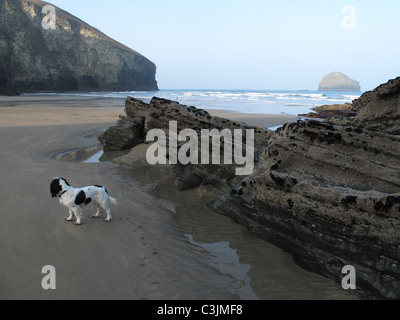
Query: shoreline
(38,110)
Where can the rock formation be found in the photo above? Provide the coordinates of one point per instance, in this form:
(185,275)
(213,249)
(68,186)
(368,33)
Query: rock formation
(326,192)
(335,110)
(380,109)
(131,130)
(337,81)
(329,195)
(73,57)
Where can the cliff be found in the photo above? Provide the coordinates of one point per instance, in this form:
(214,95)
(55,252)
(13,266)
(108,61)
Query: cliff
(327,192)
(337,81)
(72,57)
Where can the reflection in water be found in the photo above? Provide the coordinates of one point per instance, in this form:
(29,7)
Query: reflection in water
(94,158)
(89,155)
(260,269)
(225,259)
(84,155)
(93,154)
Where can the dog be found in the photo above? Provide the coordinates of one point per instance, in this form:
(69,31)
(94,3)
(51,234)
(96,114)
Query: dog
(75,198)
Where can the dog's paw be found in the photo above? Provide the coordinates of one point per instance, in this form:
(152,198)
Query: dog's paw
(95,216)
(68,219)
(78,223)
(107,220)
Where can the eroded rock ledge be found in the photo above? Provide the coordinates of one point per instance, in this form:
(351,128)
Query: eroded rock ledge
(131,130)
(330,195)
(326,192)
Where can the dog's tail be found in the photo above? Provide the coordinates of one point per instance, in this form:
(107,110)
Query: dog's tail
(113,201)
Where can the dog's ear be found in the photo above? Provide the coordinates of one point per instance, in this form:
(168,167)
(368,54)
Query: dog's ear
(55,188)
(66,182)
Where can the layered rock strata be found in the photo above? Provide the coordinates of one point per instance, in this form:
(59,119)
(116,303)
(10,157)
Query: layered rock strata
(326,192)
(142,117)
(329,192)
(336,110)
(380,109)
(330,195)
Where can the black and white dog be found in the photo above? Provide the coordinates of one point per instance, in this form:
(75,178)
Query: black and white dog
(74,199)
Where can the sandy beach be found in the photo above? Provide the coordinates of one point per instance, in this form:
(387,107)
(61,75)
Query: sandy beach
(142,254)
(122,260)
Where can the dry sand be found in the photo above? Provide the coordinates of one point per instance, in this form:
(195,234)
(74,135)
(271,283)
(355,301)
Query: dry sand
(140,255)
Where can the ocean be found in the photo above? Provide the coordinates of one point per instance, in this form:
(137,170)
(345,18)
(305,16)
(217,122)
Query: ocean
(279,102)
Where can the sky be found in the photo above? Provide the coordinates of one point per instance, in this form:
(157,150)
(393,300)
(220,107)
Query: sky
(253,44)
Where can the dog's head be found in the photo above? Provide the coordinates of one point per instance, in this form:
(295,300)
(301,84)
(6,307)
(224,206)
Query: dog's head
(57,185)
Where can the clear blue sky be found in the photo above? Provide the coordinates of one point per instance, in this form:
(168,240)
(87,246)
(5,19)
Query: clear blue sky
(252,44)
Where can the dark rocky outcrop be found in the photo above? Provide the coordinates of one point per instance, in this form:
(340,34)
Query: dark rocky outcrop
(336,110)
(329,192)
(330,195)
(326,192)
(73,57)
(131,130)
(337,81)
(380,109)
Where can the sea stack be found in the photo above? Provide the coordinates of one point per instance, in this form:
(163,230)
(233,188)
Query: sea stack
(72,56)
(337,81)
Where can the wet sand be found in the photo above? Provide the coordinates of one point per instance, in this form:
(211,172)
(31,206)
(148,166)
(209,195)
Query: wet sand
(134,257)
(254,119)
(149,251)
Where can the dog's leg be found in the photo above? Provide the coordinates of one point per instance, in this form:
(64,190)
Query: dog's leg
(78,216)
(98,207)
(108,211)
(71,213)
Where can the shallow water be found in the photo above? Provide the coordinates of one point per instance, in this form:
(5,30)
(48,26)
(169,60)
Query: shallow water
(262,270)
(94,154)
(84,155)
